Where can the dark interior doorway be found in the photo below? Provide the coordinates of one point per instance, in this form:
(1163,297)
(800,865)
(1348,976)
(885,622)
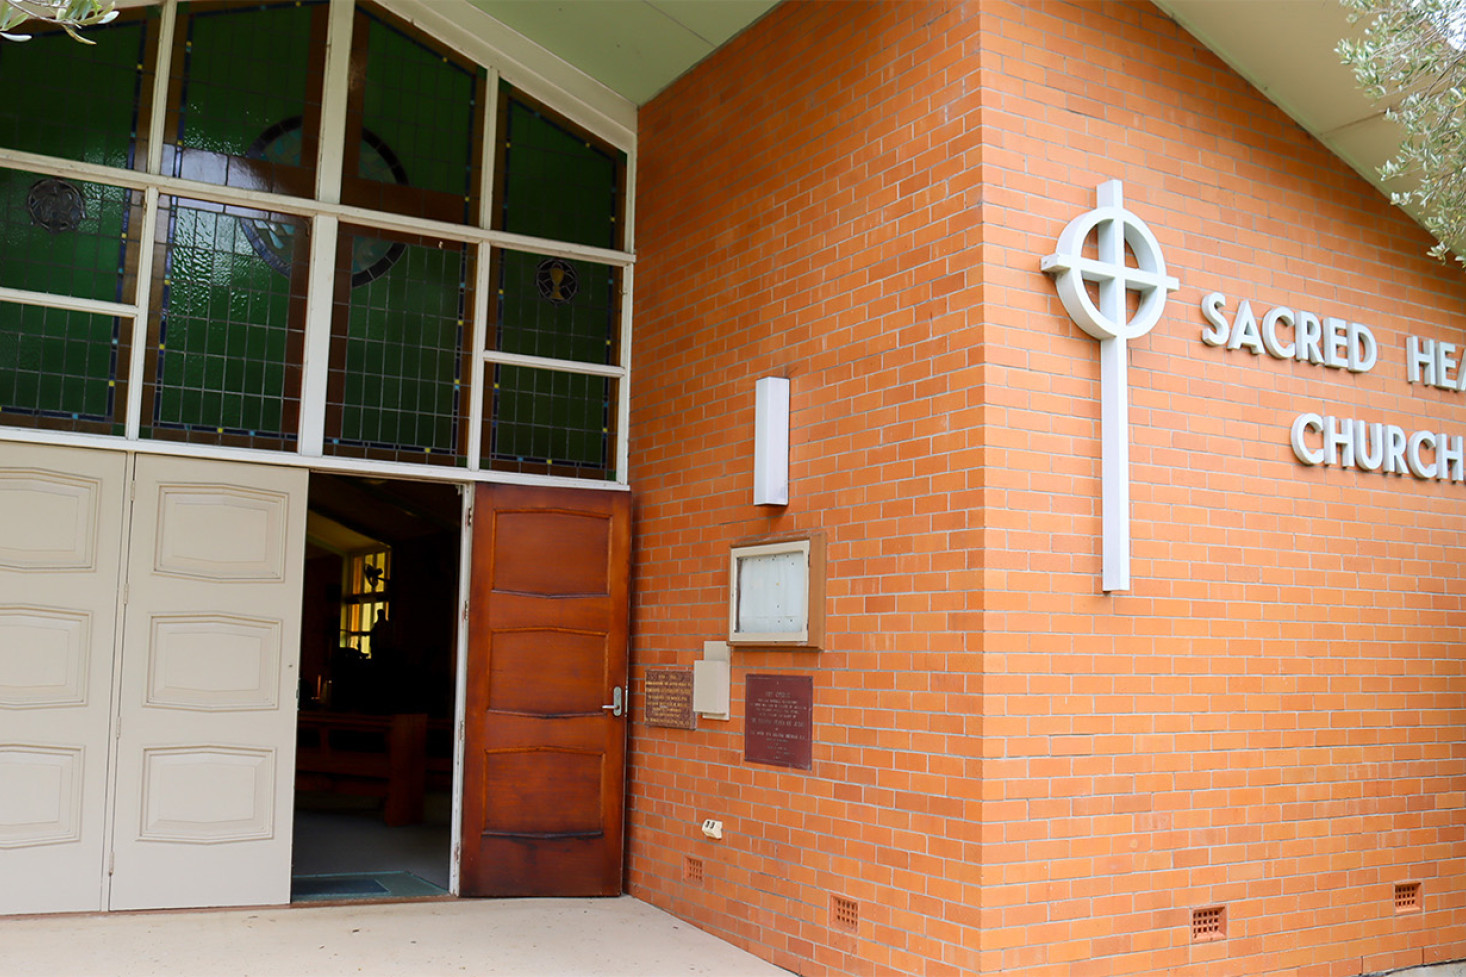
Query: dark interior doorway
(379,634)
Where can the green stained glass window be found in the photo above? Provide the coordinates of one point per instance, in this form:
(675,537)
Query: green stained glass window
(58,369)
(67,237)
(412,147)
(223,341)
(558,308)
(78,101)
(229,333)
(248,109)
(397,379)
(550,422)
(555,182)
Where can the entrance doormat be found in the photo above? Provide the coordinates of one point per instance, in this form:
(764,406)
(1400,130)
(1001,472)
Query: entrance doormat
(362,885)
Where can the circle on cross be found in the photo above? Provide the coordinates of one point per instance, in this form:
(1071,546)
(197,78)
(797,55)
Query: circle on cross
(1115,230)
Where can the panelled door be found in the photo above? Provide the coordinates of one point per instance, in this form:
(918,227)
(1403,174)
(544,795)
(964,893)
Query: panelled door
(205,767)
(61,532)
(162,637)
(545,744)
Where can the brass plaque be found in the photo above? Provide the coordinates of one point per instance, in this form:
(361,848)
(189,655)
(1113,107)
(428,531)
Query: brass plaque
(778,722)
(668,697)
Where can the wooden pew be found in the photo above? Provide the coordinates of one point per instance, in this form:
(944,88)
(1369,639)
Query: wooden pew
(372,756)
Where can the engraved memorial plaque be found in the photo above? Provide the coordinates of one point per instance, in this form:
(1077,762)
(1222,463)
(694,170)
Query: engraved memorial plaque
(668,697)
(778,724)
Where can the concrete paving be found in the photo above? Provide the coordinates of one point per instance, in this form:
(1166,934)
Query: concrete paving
(621,937)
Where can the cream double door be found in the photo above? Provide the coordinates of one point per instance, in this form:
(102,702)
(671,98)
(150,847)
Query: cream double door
(149,646)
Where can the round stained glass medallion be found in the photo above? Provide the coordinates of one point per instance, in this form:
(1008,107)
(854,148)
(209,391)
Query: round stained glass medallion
(56,205)
(556,280)
(274,241)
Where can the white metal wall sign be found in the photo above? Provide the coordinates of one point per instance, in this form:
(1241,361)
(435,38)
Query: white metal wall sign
(1114,228)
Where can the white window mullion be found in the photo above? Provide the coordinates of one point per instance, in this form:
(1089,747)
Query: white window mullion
(334,96)
(305,207)
(623,385)
(325,229)
(315,370)
(558,366)
(623,390)
(489,151)
(71,303)
(479,370)
(138,350)
(166,30)
(488,156)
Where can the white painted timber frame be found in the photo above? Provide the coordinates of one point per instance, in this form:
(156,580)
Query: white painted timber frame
(757,569)
(503,54)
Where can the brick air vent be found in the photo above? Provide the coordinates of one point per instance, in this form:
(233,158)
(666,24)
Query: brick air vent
(692,870)
(844,914)
(1407,897)
(1208,924)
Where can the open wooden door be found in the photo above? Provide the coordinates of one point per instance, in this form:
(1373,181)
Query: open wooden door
(545,737)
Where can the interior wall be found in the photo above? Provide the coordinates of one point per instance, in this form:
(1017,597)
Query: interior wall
(425,626)
(320,621)
(1013,771)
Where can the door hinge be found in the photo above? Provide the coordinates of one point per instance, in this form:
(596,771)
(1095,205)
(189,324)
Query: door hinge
(460,731)
(468,516)
(465,611)
(111,862)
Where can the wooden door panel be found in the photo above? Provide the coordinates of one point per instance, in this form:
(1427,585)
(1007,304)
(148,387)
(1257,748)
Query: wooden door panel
(552,553)
(556,792)
(544,762)
(518,681)
(511,609)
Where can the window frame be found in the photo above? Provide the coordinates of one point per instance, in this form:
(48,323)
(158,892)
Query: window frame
(325,215)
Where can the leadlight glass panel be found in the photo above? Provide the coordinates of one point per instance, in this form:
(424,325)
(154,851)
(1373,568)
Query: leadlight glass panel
(68,237)
(549,422)
(59,370)
(554,181)
(559,308)
(77,101)
(399,367)
(247,108)
(62,370)
(229,329)
(413,129)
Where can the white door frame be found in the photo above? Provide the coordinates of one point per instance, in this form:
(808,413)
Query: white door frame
(460,679)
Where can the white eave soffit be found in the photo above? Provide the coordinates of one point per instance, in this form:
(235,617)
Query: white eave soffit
(1285,48)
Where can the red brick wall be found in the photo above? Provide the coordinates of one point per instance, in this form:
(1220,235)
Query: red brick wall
(1013,771)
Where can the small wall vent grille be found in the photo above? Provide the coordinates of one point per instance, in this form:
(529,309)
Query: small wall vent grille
(844,914)
(1209,923)
(692,870)
(1407,897)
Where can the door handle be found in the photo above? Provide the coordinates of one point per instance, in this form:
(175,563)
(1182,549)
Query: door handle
(617,704)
